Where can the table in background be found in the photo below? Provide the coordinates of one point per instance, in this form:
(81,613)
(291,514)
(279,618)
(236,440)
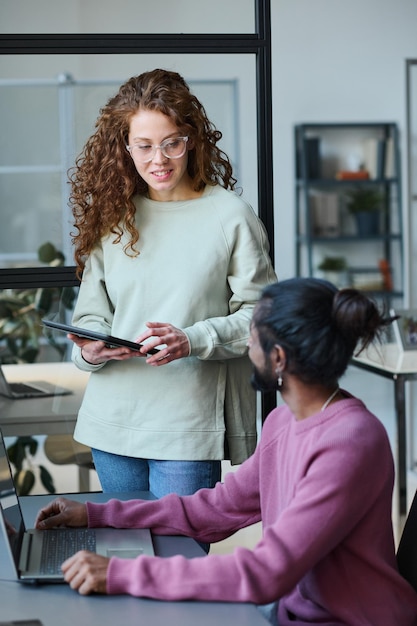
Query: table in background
(59,605)
(54,415)
(390,362)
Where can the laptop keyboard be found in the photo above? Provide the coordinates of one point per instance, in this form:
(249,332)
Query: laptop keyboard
(60,543)
(21,388)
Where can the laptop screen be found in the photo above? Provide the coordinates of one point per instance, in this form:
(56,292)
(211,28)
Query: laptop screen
(13,525)
(4,386)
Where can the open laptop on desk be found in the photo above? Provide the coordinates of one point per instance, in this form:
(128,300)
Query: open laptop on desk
(35,389)
(27,547)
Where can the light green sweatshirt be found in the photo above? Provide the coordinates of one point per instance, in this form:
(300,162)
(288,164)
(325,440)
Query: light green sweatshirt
(201,267)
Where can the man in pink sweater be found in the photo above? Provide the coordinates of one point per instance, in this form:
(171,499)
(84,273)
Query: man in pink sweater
(321,481)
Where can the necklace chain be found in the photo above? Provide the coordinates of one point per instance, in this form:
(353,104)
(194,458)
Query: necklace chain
(329,399)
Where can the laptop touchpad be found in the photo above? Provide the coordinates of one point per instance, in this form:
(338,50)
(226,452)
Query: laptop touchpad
(124,553)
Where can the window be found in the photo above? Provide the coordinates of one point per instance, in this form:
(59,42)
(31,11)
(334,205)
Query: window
(33,171)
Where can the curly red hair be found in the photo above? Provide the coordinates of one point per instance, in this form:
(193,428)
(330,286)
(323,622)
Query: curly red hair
(104,179)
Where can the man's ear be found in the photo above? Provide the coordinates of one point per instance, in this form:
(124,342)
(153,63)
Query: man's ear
(279,358)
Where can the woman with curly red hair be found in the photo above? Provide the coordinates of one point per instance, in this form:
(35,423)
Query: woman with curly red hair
(172,257)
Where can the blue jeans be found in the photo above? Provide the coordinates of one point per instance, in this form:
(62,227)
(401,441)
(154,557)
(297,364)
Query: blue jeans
(124,473)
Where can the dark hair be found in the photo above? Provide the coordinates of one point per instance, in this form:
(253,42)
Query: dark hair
(319,326)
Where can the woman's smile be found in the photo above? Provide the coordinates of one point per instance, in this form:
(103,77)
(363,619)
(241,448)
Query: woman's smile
(167,178)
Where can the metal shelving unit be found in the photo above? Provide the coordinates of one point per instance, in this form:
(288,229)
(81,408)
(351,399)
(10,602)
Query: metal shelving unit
(333,160)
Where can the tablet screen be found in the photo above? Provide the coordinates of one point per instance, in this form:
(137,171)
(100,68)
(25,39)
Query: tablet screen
(109,340)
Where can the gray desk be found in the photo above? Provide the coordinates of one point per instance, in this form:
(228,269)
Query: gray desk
(388,361)
(43,416)
(58,605)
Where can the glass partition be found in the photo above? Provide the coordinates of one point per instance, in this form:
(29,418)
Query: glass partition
(411,138)
(23,338)
(412,126)
(127,16)
(412,172)
(64,95)
(52,84)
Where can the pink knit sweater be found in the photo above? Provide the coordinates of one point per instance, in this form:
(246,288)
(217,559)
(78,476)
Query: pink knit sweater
(323,489)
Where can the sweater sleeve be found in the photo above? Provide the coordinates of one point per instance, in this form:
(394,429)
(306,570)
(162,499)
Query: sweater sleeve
(216,333)
(93,309)
(209,515)
(319,516)
(250,269)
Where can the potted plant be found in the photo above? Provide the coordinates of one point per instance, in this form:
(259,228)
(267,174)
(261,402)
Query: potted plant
(365,204)
(335,270)
(21,312)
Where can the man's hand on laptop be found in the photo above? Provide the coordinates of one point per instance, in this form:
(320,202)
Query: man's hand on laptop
(86,572)
(62,512)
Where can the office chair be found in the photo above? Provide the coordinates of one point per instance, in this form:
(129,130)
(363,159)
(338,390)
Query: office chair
(407,549)
(64,450)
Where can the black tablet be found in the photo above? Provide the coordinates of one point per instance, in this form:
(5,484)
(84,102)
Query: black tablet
(109,340)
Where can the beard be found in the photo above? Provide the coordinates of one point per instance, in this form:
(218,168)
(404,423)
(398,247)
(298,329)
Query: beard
(263,381)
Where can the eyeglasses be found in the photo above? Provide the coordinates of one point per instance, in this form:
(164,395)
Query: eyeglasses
(172,148)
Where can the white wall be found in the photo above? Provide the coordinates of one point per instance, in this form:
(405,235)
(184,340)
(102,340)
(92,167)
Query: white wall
(334,61)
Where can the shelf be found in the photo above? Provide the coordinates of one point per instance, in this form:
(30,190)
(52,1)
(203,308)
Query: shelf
(380,293)
(342,125)
(325,224)
(348,239)
(334,182)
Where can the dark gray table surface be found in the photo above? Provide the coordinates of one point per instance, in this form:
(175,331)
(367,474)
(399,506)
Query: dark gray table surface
(58,605)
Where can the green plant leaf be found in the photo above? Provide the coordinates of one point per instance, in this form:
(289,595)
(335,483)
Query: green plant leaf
(68,297)
(32,444)
(11,299)
(364,199)
(24,481)
(46,479)
(29,355)
(16,455)
(43,300)
(12,327)
(17,451)
(58,260)
(335,264)
(47,252)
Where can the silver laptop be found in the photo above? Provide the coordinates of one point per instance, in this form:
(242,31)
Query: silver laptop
(33,389)
(37,555)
